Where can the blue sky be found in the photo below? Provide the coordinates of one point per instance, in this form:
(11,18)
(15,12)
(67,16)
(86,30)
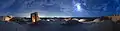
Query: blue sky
(50,8)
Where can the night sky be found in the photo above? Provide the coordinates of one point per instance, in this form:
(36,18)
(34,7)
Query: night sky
(60,8)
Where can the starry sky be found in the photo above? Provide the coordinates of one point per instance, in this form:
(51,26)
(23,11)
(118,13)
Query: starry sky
(60,8)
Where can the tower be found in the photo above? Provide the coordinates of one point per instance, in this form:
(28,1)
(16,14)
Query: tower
(35,17)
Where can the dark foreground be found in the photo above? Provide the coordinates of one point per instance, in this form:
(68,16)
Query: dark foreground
(56,26)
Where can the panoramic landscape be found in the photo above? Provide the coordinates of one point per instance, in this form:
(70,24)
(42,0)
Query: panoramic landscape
(59,15)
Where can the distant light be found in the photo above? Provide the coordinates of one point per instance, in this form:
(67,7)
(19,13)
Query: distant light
(82,20)
(78,7)
(48,20)
(96,20)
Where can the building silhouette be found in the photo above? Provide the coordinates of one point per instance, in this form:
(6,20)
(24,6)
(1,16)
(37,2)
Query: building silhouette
(34,17)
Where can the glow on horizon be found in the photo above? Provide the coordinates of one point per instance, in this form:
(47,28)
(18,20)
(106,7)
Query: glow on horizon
(27,15)
(54,16)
